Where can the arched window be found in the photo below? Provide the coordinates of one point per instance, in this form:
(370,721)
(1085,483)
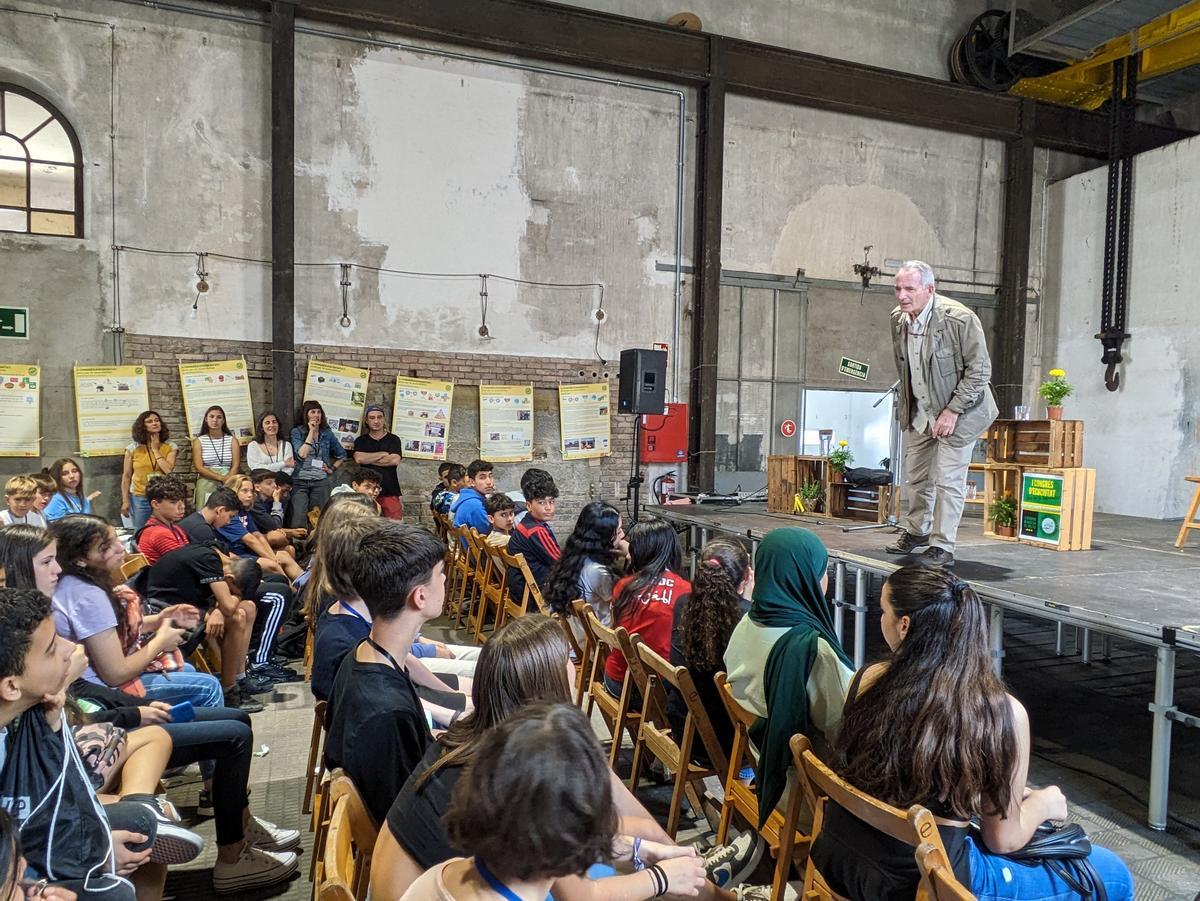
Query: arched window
(41,172)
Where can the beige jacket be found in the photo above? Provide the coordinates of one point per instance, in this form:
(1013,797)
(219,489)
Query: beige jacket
(957,368)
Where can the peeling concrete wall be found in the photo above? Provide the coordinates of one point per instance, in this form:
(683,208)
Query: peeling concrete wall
(1142,440)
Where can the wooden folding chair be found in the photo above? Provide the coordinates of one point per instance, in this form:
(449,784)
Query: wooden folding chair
(493,592)
(913,827)
(617,713)
(937,877)
(637,679)
(779,831)
(658,738)
(316,760)
(515,606)
(349,845)
(566,621)
(133,564)
(589,655)
(460,565)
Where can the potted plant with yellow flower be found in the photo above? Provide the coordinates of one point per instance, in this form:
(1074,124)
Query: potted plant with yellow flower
(840,459)
(1053,391)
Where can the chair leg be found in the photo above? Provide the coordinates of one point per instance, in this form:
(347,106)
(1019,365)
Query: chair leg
(681,782)
(1188,520)
(310,772)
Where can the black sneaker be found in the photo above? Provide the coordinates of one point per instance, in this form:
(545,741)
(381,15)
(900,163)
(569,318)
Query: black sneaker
(245,703)
(276,673)
(252,684)
(907,543)
(937,556)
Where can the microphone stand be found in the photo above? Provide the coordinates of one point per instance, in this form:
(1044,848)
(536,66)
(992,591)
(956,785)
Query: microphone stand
(896,461)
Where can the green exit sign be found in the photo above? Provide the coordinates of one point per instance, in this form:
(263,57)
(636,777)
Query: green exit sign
(854,368)
(14,322)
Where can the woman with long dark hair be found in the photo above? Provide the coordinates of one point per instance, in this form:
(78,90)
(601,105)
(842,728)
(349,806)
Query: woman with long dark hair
(784,660)
(934,725)
(587,567)
(704,622)
(317,453)
(149,456)
(644,601)
(69,495)
(215,454)
(270,449)
(524,662)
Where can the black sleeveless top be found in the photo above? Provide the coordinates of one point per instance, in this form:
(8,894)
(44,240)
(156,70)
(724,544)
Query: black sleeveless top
(864,864)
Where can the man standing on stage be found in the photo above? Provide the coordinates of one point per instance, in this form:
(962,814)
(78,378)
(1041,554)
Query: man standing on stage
(945,404)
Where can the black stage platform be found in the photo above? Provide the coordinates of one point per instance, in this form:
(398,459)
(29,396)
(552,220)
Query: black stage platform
(1133,585)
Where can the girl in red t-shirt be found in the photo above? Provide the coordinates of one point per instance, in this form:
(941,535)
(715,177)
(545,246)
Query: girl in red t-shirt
(644,602)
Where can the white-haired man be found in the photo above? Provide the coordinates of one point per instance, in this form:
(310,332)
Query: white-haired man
(945,405)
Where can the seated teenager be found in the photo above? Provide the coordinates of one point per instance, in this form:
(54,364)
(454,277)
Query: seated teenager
(161,534)
(20,496)
(70,496)
(243,538)
(933,725)
(644,601)
(269,508)
(376,728)
(587,569)
(360,480)
(456,480)
(468,507)
(347,623)
(196,574)
(44,491)
(785,663)
(125,649)
(535,807)
(13,885)
(704,620)
(532,536)
(442,484)
(501,513)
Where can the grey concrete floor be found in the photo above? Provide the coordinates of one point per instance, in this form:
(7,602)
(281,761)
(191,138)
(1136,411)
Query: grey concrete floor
(1095,754)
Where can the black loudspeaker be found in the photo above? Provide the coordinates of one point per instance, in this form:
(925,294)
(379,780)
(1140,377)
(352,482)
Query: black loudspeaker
(643,384)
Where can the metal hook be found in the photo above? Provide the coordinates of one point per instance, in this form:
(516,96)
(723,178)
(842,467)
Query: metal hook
(1112,378)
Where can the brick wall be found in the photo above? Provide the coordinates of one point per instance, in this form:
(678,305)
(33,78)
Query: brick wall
(579,480)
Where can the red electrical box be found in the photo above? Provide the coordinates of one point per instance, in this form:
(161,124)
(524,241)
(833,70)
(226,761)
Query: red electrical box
(665,437)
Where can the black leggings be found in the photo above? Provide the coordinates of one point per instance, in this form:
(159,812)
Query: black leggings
(223,735)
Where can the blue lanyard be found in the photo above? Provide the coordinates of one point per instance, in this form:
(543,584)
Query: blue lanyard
(354,612)
(497,886)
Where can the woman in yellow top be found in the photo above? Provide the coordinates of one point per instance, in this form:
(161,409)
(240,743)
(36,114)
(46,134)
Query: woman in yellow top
(149,456)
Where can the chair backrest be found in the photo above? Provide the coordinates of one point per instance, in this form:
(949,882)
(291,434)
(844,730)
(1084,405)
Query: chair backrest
(697,717)
(133,564)
(914,826)
(742,720)
(654,703)
(532,590)
(350,840)
(937,877)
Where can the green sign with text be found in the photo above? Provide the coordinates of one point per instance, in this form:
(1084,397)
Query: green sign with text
(854,368)
(14,322)
(1041,507)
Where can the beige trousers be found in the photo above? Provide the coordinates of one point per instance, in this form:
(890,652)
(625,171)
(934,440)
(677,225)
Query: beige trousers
(935,484)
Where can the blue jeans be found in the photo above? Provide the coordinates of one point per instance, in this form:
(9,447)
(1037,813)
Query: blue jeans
(996,878)
(201,689)
(139,510)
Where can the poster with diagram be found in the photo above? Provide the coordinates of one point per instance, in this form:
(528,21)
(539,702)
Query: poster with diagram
(342,393)
(583,413)
(421,417)
(20,422)
(107,401)
(224,384)
(506,423)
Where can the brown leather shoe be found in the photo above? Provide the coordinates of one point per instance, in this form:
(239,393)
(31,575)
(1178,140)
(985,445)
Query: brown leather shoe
(937,556)
(907,543)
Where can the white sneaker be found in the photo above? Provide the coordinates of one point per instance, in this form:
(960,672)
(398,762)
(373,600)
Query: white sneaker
(269,837)
(253,868)
(729,865)
(763,893)
(173,844)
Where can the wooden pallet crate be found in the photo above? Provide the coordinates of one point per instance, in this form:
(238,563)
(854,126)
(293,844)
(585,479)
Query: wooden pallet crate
(868,503)
(1057,506)
(787,474)
(999,479)
(1056,443)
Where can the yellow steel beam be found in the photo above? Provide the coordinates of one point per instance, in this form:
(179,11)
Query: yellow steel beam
(1167,44)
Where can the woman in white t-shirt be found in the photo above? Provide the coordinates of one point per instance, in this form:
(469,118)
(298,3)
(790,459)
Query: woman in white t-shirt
(215,454)
(269,450)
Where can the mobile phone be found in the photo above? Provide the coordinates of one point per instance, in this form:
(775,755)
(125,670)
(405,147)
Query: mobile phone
(183,712)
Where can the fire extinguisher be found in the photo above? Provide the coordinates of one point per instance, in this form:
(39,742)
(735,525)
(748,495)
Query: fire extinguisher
(666,486)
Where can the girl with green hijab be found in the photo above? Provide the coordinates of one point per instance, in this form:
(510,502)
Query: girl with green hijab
(784,661)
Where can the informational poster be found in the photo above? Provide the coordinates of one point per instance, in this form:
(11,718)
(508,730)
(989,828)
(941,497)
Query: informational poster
(342,393)
(107,401)
(506,423)
(583,412)
(20,424)
(225,384)
(1041,507)
(421,417)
